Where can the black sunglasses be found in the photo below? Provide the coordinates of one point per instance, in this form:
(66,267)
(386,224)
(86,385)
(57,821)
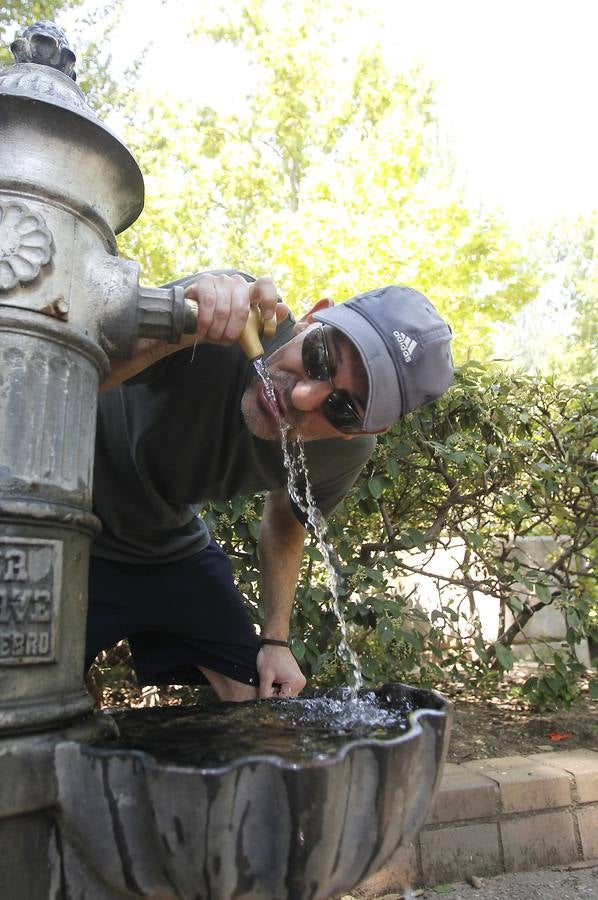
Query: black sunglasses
(337,408)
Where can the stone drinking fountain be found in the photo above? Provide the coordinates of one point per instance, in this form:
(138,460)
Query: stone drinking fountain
(99,807)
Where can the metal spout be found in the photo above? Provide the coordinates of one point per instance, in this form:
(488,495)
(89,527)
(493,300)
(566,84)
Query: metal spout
(256,328)
(165,313)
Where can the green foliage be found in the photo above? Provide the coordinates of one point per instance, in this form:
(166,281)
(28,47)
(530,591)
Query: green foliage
(21,13)
(90,37)
(572,249)
(559,684)
(556,333)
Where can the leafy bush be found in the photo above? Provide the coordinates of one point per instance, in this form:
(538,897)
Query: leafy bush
(500,458)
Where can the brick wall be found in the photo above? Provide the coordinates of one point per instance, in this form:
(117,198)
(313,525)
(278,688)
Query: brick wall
(501,815)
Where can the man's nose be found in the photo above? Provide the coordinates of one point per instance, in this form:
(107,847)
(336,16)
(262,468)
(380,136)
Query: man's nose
(308,394)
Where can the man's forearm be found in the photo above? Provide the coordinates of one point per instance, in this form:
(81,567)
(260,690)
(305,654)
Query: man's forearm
(281,551)
(147,353)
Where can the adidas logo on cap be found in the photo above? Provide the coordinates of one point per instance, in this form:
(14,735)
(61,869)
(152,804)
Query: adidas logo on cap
(406,344)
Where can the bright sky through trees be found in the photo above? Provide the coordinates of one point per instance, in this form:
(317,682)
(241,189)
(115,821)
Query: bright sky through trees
(293,144)
(516,85)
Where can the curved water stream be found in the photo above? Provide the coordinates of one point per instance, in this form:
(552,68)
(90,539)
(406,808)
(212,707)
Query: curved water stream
(297,473)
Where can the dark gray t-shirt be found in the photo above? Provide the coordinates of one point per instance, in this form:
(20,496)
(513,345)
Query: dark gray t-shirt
(174,437)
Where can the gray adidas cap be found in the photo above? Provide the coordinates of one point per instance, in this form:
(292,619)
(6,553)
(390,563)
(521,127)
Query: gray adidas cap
(404,346)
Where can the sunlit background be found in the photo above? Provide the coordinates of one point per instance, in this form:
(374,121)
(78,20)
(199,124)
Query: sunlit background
(451,145)
(516,85)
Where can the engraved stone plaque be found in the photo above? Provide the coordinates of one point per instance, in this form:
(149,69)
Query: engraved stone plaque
(30,581)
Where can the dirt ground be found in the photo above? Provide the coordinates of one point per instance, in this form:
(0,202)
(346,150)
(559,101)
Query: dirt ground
(502,726)
(576,882)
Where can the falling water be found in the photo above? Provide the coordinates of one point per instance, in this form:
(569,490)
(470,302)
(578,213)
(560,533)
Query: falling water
(297,473)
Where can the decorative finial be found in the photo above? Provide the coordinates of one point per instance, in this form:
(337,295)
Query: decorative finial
(45,44)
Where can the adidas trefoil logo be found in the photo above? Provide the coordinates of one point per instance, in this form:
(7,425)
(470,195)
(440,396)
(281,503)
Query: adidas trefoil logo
(406,344)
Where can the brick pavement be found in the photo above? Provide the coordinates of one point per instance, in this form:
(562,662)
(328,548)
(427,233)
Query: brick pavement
(501,815)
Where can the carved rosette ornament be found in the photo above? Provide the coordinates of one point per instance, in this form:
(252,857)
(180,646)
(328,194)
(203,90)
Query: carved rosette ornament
(25,245)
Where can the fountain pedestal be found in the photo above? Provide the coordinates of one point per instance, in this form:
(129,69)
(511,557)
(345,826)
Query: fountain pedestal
(67,304)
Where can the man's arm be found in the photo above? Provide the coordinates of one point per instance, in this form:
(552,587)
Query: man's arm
(147,352)
(281,550)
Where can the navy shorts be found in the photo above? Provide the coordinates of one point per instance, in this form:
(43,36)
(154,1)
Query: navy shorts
(177,616)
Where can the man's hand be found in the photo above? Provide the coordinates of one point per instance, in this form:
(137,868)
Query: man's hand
(280,676)
(223,304)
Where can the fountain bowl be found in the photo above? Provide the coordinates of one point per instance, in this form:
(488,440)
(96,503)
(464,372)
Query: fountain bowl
(249,826)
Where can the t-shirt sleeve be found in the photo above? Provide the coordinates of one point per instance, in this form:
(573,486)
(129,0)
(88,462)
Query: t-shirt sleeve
(333,466)
(152,373)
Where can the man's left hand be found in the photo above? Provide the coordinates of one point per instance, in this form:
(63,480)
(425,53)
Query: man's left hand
(280,676)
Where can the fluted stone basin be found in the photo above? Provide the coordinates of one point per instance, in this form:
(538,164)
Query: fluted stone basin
(182,807)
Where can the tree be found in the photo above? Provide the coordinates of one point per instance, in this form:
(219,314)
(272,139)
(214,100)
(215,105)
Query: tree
(556,333)
(329,176)
(572,249)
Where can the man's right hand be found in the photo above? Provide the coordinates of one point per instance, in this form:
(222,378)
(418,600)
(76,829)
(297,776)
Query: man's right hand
(224,302)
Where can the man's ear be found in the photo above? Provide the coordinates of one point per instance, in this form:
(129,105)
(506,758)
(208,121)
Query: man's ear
(308,318)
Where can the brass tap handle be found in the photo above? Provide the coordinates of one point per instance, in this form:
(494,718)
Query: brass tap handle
(255,328)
